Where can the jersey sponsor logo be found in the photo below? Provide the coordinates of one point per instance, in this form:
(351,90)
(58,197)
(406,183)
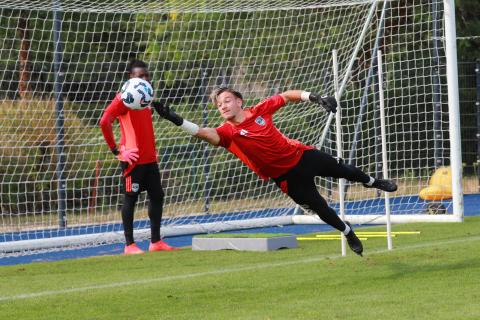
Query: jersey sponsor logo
(135,187)
(243,132)
(260,121)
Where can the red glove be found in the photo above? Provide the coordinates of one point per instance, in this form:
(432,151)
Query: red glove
(130,155)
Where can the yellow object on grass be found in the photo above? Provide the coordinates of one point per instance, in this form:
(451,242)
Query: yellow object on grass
(440,185)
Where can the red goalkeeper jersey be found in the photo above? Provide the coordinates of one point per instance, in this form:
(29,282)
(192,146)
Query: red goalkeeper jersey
(136,130)
(259,144)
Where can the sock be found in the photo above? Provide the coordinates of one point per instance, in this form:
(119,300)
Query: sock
(347,229)
(370,183)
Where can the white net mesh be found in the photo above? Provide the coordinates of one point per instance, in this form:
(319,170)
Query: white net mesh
(174,6)
(254,46)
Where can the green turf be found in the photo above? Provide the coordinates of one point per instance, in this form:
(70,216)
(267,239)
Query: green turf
(434,275)
(243,235)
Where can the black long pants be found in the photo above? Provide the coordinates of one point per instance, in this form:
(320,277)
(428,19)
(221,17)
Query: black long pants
(299,183)
(142,177)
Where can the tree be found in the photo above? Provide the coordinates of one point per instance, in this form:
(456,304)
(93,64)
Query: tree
(468,29)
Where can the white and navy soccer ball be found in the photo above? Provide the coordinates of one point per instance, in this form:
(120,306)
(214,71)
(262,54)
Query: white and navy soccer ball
(136,93)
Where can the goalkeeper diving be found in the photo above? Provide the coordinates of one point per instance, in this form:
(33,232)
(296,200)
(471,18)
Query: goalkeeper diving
(250,134)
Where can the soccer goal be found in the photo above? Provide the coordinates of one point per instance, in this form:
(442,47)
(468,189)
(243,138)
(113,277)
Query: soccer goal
(61,62)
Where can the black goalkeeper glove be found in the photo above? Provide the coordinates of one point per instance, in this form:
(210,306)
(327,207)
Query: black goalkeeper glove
(328,103)
(165,112)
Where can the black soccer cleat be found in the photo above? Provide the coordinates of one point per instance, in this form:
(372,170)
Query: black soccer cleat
(383,184)
(353,242)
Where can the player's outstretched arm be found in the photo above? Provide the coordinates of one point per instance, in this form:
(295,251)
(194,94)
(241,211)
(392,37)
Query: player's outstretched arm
(292,95)
(328,103)
(208,134)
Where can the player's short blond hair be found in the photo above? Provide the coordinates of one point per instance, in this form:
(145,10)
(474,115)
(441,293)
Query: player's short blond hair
(216,92)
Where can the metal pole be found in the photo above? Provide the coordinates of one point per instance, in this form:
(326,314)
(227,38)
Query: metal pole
(377,124)
(437,107)
(206,150)
(338,127)
(60,116)
(381,102)
(477,105)
(453,109)
(366,89)
(349,67)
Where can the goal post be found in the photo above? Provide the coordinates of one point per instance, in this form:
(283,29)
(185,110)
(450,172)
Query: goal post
(453,108)
(61,62)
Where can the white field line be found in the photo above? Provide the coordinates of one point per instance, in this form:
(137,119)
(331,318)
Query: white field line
(227,270)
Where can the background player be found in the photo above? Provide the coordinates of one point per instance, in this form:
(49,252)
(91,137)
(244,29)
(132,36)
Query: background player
(251,135)
(138,157)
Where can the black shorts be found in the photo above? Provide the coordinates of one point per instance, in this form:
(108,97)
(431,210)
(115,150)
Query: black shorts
(142,177)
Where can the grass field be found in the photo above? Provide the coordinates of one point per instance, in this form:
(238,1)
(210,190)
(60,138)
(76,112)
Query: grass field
(433,275)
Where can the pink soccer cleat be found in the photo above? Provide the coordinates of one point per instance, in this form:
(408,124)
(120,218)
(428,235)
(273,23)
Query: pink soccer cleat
(132,249)
(160,246)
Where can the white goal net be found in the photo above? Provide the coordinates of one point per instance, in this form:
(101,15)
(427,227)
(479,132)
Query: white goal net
(61,62)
